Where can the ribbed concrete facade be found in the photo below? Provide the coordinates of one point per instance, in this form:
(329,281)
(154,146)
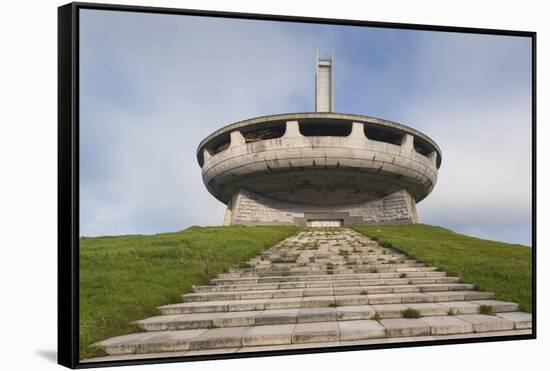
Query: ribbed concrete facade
(319,168)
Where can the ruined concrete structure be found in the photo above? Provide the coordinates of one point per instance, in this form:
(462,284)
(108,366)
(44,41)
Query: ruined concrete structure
(319,168)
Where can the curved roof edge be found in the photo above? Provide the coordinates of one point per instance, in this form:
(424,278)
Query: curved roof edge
(326,115)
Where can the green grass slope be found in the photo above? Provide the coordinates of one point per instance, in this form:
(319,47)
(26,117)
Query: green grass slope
(502,268)
(124,278)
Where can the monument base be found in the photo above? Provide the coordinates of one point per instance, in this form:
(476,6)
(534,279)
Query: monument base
(249,208)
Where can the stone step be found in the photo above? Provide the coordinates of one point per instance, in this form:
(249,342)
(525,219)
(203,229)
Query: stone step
(310,333)
(275,348)
(331,254)
(342,270)
(322,258)
(322,301)
(329,257)
(321,263)
(327,291)
(320,284)
(303,315)
(309,267)
(325,277)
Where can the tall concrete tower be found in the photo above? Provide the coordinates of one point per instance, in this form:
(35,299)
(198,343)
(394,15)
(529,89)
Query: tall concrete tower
(324,84)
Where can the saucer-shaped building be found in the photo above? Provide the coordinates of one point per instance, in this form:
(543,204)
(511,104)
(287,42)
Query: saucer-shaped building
(319,168)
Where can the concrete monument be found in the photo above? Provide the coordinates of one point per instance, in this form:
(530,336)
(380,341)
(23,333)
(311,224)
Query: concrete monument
(319,168)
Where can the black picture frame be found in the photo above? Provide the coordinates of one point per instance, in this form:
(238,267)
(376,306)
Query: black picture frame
(68,179)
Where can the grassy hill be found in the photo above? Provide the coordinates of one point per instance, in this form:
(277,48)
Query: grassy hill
(124,278)
(502,268)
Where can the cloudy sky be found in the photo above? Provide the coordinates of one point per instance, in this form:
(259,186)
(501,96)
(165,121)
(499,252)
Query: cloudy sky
(153,86)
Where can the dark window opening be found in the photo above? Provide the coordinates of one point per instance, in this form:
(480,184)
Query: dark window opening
(221,147)
(219,144)
(385,136)
(421,147)
(264,134)
(325,130)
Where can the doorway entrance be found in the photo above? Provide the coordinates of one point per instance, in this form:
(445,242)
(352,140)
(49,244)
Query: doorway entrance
(325,223)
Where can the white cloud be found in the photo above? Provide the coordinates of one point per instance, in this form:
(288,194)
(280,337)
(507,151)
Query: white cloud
(480,115)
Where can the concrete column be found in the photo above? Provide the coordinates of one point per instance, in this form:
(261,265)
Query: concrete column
(236,139)
(205,155)
(292,129)
(228,214)
(357,131)
(412,208)
(433,157)
(407,145)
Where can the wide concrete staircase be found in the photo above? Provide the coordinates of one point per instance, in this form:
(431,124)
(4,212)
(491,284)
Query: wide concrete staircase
(320,288)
